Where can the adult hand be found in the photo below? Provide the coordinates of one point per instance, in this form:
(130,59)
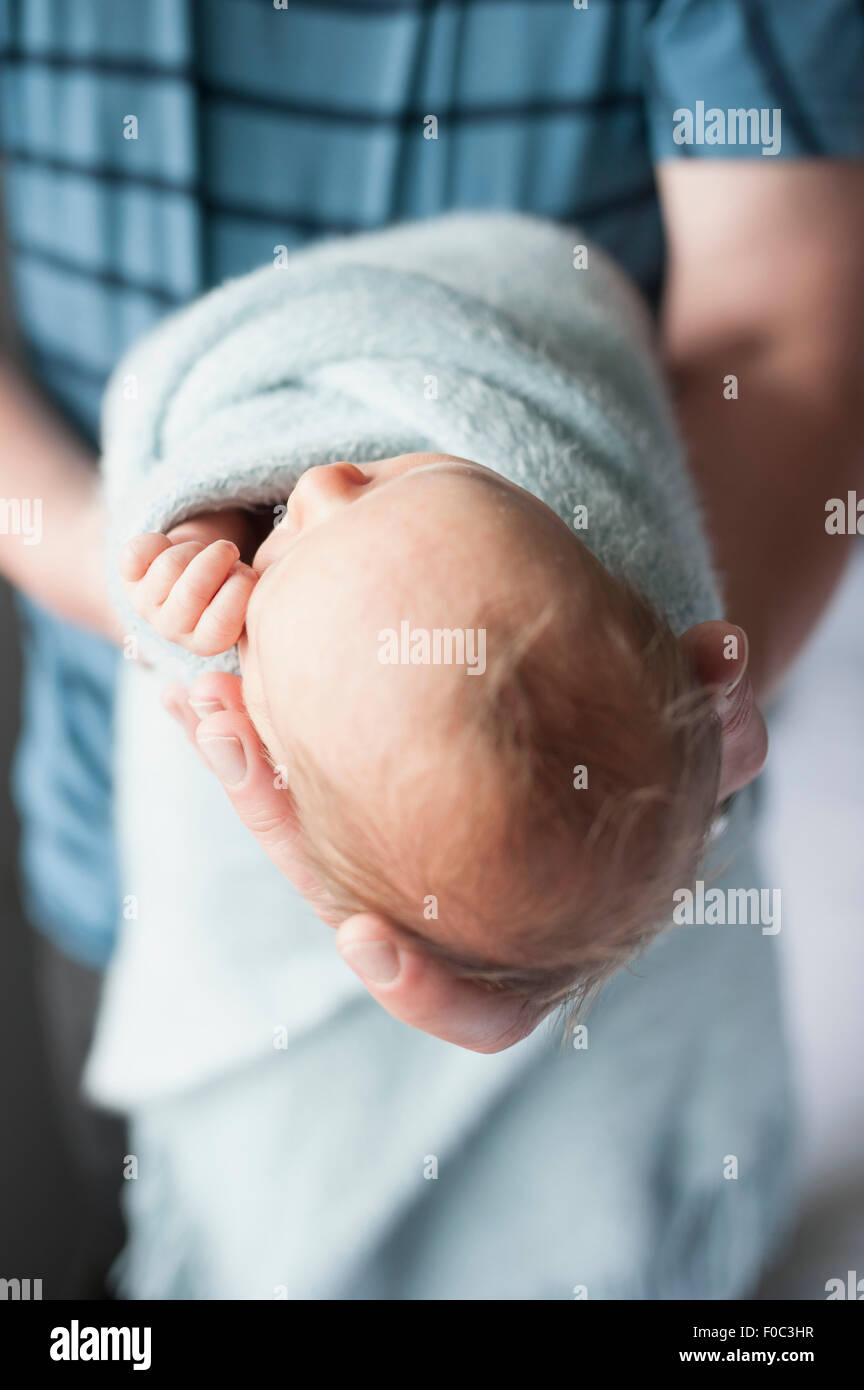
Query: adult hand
(720,655)
(405,981)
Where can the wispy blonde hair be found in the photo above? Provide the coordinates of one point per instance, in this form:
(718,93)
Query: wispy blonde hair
(627,706)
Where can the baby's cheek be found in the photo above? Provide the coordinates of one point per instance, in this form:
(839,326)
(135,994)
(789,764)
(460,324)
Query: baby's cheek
(250,677)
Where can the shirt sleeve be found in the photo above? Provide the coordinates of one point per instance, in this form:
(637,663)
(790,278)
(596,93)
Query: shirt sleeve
(738,78)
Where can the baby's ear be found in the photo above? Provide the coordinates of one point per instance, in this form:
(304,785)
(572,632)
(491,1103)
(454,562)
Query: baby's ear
(719,653)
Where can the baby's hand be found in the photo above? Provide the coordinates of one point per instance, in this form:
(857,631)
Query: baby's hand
(191,584)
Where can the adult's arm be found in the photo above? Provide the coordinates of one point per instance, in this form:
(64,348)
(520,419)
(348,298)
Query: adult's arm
(60,564)
(765,282)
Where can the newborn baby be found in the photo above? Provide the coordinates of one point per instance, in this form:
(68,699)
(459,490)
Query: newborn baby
(465,649)
(460,649)
(489,738)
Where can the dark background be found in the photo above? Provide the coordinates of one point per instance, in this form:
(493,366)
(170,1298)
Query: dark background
(38,1190)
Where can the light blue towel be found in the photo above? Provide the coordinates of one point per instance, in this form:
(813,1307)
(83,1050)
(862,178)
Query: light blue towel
(471,334)
(292,1139)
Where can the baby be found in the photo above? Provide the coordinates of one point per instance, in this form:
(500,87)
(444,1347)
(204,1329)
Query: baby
(466,648)
(528,825)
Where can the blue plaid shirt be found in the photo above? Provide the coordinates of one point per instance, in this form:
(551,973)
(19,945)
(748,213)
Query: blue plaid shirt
(152,147)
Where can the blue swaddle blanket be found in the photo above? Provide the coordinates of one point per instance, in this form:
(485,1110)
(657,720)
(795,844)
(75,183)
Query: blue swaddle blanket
(293,1140)
(471,335)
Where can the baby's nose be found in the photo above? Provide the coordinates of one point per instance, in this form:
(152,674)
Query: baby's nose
(324,489)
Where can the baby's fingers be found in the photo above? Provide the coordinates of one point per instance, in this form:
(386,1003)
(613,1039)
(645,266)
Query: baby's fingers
(222,621)
(138,554)
(150,592)
(199,573)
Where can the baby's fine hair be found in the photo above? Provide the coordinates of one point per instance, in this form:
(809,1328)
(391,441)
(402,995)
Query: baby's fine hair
(603,755)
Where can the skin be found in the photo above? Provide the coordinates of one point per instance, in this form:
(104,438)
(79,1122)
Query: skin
(313,682)
(313,603)
(379,733)
(764,278)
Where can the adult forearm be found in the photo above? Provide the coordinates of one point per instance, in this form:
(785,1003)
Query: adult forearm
(765,283)
(765,464)
(51,524)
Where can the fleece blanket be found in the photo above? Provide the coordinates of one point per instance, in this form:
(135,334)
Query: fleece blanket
(292,1139)
(470,335)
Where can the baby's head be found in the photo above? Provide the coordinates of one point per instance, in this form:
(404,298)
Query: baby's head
(488,738)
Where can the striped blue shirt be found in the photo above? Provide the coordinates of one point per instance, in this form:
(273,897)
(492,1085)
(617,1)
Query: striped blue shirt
(151,148)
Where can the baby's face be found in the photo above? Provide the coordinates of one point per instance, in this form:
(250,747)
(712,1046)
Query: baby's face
(339,656)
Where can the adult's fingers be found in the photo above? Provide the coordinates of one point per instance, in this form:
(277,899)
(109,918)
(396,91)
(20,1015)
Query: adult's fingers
(213,714)
(421,991)
(720,653)
(413,987)
(745,738)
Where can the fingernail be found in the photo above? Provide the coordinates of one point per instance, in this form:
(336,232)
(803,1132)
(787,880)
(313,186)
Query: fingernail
(226,756)
(375,961)
(742,669)
(205,707)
